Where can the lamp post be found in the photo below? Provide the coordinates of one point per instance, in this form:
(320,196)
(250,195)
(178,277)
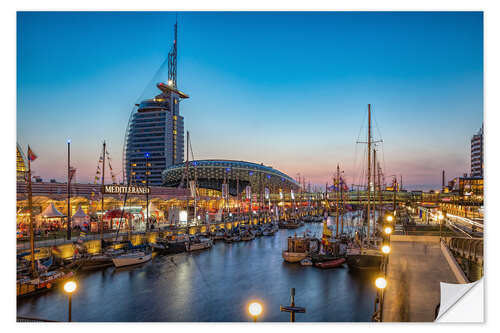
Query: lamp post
(440,218)
(255,309)
(69,288)
(381,283)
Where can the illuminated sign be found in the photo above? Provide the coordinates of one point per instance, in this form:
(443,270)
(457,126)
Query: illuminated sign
(122,189)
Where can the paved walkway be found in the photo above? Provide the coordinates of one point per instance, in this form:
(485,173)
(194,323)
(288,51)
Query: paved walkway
(416,267)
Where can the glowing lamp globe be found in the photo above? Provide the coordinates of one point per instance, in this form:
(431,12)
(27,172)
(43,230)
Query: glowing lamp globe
(381,283)
(386,249)
(388,230)
(70,287)
(255,309)
(389,218)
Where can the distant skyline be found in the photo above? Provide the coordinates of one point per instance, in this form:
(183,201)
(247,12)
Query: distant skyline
(287,89)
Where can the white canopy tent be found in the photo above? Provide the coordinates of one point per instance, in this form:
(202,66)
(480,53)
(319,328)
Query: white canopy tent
(51,212)
(80,218)
(49,215)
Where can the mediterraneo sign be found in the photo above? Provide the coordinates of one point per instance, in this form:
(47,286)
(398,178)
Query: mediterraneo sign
(122,189)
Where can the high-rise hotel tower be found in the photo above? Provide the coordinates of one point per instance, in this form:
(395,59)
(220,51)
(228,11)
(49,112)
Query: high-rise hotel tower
(155,132)
(476,155)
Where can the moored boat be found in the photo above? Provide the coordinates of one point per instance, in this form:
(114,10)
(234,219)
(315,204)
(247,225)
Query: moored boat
(364,259)
(306,262)
(44,282)
(298,248)
(331,263)
(132,258)
(199,243)
(293,224)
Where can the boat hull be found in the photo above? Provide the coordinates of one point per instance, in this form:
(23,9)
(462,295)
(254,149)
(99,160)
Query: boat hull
(199,246)
(293,257)
(331,264)
(122,261)
(96,263)
(364,261)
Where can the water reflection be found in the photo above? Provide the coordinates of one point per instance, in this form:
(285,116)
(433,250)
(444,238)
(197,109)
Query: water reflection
(213,285)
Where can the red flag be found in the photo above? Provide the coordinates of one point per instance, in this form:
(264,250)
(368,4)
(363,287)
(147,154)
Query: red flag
(31,154)
(72,172)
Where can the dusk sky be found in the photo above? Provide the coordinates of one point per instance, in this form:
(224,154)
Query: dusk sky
(289,90)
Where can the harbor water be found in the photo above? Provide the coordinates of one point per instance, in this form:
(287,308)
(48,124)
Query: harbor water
(213,285)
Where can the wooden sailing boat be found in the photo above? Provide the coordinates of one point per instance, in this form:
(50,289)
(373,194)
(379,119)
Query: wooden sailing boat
(367,255)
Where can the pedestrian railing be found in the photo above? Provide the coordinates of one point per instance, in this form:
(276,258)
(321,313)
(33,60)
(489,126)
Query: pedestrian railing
(33,320)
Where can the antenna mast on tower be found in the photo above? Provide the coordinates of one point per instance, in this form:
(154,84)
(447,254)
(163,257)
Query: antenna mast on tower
(172,60)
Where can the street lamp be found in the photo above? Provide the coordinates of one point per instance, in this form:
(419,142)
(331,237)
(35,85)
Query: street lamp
(389,218)
(440,219)
(381,283)
(388,230)
(386,249)
(255,309)
(69,288)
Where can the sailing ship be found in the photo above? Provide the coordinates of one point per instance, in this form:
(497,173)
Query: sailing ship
(38,277)
(364,253)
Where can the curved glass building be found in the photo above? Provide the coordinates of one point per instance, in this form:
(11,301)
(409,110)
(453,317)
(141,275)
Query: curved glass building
(211,174)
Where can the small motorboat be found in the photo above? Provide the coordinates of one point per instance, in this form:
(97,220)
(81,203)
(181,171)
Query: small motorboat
(288,225)
(331,264)
(199,243)
(132,258)
(90,262)
(268,232)
(306,262)
(219,234)
(247,236)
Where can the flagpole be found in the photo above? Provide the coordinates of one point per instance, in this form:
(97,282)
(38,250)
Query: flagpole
(30,208)
(68,231)
(102,197)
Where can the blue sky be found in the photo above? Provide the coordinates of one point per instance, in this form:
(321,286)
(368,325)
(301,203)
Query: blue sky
(289,90)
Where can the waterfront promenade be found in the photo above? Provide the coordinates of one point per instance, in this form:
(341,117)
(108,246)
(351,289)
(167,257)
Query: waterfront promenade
(417,265)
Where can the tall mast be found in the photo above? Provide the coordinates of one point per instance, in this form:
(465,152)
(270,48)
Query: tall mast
(369,166)
(337,198)
(374,187)
(187,170)
(342,205)
(68,226)
(172,60)
(379,190)
(30,208)
(102,183)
